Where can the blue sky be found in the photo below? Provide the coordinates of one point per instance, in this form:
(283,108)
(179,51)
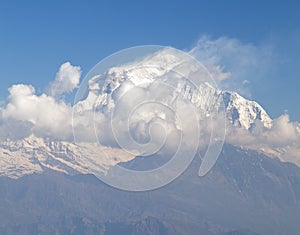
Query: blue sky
(37,37)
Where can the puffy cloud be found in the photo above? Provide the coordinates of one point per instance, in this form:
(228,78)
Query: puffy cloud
(237,66)
(282,139)
(41,115)
(282,133)
(26,112)
(144,118)
(66,80)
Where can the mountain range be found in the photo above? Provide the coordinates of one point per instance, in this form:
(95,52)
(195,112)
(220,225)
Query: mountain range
(46,186)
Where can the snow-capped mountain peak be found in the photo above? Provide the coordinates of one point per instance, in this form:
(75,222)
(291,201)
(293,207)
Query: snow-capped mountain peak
(244,113)
(33,154)
(101,89)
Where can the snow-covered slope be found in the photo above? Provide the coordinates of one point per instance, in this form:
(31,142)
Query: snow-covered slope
(34,154)
(101,88)
(244,113)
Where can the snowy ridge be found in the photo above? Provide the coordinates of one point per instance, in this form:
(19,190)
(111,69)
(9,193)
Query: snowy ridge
(240,111)
(33,154)
(244,113)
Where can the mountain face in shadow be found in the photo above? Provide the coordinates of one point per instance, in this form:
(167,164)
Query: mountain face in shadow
(245,193)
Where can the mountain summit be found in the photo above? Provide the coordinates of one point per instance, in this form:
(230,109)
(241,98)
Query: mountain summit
(162,67)
(150,78)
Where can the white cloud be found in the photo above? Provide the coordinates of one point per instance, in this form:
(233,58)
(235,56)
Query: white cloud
(229,60)
(239,66)
(282,139)
(232,62)
(41,115)
(25,112)
(66,80)
(146,118)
